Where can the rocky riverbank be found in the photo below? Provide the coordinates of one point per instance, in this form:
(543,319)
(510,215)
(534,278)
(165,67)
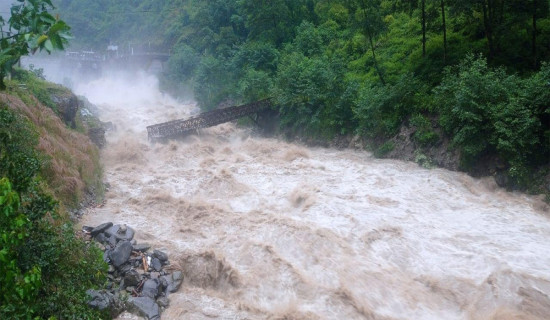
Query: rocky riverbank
(140,278)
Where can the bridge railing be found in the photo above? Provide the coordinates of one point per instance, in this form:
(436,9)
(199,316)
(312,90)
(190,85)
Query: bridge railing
(181,127)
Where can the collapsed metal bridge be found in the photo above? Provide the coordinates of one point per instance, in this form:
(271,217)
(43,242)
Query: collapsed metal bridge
(181,127)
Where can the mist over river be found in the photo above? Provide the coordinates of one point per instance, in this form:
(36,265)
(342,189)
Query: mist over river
(266,229)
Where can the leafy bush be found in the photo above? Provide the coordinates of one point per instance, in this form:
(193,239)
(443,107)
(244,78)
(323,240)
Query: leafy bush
(486,110)
(44,268)
(380,110)
(18,159)
(424,134)
(307,89)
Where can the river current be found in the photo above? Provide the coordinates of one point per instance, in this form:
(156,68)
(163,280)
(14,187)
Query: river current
(265,229)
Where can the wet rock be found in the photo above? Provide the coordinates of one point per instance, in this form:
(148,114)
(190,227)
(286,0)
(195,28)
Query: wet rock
(136,262)
(100,300)
(100,237)
(132,278)
(141,247)
(67,105)
(502,179)
(146,307)
(163,257)
(121,253)
(97,135)
(150,288)
(173,281)
(125,268)
(102,227)
(106,256)
(156,264)
(121,232)
(111,241)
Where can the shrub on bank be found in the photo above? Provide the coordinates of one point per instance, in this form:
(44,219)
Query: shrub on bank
(44,268)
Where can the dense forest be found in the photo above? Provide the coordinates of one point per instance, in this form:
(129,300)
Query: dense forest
(474,71)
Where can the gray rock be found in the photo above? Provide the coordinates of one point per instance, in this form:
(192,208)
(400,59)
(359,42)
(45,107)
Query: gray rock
(160,255)
(145,307)
(143,247)
(97,135)
(67,106)
(172,282)
(156,264)
(100,300)
(150,288)
(111,241)
(132,278)
(164,282)
(125,268)
(106,256)
(121,253)
(102,227)
(100,237)
(121,233)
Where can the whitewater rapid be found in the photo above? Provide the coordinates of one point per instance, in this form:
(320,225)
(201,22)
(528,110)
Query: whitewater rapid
(265,229)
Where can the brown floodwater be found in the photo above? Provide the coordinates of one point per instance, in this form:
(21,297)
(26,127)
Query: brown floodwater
(265,229)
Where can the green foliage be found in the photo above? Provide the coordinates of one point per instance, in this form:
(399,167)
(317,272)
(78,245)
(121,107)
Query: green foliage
(380,110)
(32,29)
(44,268)
(19,287)
(40,88)
(384,149)
(306,90)
(424,134)
(485,110)
(18,159)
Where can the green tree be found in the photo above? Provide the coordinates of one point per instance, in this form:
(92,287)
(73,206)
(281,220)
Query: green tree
(31,28)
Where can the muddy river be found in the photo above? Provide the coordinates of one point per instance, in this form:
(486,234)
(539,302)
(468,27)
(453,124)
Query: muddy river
(266,229)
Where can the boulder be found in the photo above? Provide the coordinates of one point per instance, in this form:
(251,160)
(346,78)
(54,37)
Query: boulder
(67,105)
(102,227)
(141,247)
(100,300)
(121,232)
(121,253)
(150,288)
(172,282)
(145,307)
(97,135)
(163,257)
(156,264)
(132,278)
(100,237)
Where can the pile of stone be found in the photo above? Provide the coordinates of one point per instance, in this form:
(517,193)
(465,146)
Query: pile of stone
(139,277)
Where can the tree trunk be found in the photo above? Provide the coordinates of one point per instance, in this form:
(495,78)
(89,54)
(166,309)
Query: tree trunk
(371,42)
(534,36)
(444,31)
(423,28)
(487,25)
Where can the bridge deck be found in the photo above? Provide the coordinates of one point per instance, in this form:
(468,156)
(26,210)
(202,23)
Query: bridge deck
(181,127)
